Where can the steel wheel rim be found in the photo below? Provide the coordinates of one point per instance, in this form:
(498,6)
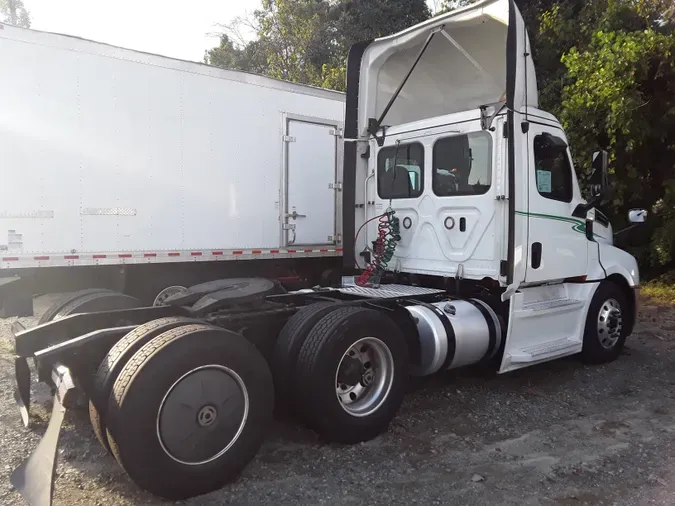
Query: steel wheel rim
(610,323)
(361,393)
(190,423)
(166,293)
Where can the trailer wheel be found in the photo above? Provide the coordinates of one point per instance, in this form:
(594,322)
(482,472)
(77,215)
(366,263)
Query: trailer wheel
(351,374)
(605,333)
(113,363)
(98,301)
(288,345)
(54,309)
(167,292)
(189,411)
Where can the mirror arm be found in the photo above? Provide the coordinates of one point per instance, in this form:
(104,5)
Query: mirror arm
(630,227)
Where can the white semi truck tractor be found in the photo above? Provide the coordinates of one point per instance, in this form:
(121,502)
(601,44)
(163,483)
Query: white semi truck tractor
(467,240)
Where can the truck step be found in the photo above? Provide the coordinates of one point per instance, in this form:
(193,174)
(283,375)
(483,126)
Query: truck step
(387,291)
(550,306)
(548,350)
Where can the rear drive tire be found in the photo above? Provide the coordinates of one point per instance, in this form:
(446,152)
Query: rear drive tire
(288,345)
(113,363)
(189,411)
(605,333)
(351,375)
(54,309)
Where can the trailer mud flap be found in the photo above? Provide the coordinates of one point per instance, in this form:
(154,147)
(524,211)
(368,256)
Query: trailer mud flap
(34,478)
(22,392)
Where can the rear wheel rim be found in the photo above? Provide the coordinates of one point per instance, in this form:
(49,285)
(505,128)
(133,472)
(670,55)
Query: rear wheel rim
(202,415)
(166,293)
(610,323)
(364,377)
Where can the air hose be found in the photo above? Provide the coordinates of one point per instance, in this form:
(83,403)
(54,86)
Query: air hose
(388,233)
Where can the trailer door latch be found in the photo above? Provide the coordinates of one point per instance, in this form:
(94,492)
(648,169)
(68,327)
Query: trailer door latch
(335,186)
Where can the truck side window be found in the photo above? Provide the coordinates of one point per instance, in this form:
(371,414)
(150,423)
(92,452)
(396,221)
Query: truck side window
(462,165)
(552,167)
(400,171)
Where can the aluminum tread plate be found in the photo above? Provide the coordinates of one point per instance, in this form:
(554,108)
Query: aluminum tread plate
(388,291)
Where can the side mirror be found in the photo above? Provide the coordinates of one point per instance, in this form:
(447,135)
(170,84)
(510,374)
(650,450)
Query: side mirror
(637,215)
(599,179)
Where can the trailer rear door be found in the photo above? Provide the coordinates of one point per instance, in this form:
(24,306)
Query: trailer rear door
(310,175)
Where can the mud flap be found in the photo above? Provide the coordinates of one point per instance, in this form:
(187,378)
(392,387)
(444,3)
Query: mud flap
(34,478)
(22,392)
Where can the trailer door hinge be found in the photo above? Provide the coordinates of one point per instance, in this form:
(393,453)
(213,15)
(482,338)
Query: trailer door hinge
(335,186)
(288,226)
(288,138)
(335,239)
(336,132)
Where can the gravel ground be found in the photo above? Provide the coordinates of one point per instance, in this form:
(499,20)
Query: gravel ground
(556,434)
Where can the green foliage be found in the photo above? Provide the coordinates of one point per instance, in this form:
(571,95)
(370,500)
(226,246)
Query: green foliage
(307,41)
(15,13)
(620,87)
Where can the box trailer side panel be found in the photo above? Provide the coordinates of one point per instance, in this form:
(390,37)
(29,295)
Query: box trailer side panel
(111,155)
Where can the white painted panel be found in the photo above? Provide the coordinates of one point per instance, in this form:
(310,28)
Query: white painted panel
(311,169)
(191,154)
(443,228)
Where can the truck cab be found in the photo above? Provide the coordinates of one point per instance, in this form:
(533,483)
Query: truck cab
(443,127)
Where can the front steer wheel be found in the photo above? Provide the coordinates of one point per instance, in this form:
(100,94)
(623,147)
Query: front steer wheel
(351,375)
(605,332)
(189,411)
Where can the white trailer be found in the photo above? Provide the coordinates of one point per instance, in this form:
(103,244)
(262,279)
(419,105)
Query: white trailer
(476,246)
(113,157)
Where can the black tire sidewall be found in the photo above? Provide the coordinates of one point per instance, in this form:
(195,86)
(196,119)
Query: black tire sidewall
(289,344)
(315,377)
(593,351)
(133,422)
(107,372)
(112,364)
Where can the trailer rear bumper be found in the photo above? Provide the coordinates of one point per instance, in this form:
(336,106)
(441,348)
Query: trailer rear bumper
(16,297)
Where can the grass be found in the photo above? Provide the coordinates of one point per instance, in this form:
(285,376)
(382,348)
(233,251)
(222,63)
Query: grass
(659,292)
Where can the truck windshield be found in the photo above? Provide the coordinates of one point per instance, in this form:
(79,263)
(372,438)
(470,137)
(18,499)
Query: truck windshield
(462,165)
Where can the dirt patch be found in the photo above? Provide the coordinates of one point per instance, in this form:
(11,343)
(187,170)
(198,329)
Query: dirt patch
(557,434)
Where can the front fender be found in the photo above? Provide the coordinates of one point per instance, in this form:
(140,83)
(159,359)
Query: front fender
(615,261)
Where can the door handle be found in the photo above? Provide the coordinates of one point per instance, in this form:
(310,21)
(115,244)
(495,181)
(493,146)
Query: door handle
(295,215)
(536,255)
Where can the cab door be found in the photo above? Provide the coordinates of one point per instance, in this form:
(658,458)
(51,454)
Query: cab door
(557,244)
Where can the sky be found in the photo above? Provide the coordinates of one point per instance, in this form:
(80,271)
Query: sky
(174,28)
(168,27)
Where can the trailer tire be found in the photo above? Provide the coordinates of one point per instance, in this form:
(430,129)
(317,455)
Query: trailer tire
(54,309)
(376,342)
(288,345)
(162,394)
(114,361)
(604,333)
(103,300)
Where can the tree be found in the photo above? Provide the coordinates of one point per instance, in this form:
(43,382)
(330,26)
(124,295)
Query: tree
(607,69)
(307,41)
(359,20)
(15,13)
